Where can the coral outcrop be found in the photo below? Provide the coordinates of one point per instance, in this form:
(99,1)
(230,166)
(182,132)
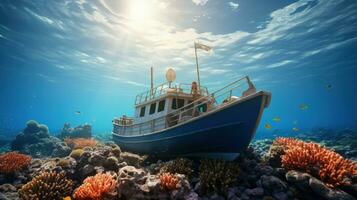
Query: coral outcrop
(327,165)
(13,161)
(217,175)
(36,141)
(81,131)
(98,187)
(48,185)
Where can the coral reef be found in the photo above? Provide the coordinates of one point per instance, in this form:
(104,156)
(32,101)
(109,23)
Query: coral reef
(80,143)
(13,161)
(140,178)
(48,185)
(217,175)
(327,165)
(81,131)
(97,187)
(168,181)
(36,141)
(179,166)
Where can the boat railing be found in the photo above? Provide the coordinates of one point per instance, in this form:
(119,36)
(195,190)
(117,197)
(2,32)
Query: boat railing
(201,106)
(165,88)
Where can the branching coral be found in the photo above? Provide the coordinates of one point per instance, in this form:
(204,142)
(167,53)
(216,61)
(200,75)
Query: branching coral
(48,185)
(168,181)
(80,143)
(13,161)
(179,165)
(97,187)
(329,166)
(216,175)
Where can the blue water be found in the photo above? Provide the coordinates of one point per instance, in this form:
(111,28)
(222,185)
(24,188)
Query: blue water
(60,57)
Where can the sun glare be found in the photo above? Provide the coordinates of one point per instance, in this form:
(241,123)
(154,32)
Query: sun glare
(140,12)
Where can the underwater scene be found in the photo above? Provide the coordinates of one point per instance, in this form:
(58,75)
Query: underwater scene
(169,99)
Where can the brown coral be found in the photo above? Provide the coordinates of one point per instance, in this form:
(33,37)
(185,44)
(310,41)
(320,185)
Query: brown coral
(48,185)
(96,187)
(179,166)
(168,181)
(13,161)
(217,175)
(329,166)
(80,143)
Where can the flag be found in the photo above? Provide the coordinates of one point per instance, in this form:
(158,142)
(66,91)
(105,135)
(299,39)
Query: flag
(202,46)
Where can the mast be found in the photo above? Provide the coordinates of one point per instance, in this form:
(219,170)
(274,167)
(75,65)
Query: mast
(151,81)
(198,71)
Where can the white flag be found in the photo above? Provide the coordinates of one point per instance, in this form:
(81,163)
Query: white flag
(202,46)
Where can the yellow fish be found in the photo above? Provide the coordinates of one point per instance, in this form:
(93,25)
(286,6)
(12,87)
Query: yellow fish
(67,198)
(295,129)
(303,107)
(276,119)
(267,126)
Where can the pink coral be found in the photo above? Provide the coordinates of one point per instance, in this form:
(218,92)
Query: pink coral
(80,143)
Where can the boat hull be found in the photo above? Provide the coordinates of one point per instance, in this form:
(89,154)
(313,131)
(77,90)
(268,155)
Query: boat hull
(225,131)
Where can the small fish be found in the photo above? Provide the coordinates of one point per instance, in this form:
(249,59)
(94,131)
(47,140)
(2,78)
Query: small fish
(67,198)
(77,112)
(276,119)
(295,129)
(267,126)
(295,122)
(303,107)
(328,86)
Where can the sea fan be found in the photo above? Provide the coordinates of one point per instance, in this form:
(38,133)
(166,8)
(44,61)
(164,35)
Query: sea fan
(80,143)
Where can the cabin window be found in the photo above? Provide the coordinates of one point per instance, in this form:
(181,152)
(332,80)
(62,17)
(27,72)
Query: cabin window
(161,106)
(177,103)
(152,108)
(142,111)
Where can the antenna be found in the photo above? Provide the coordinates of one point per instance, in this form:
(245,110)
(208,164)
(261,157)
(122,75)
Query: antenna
(170,76)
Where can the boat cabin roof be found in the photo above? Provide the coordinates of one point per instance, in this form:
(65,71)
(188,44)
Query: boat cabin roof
(165,90)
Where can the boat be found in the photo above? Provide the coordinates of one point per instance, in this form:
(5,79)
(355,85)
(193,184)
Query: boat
(187,120)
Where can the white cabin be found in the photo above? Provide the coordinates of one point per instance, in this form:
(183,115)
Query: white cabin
(154,109)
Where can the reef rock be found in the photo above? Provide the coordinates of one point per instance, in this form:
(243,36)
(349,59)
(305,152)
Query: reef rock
(36,141)
(136,183)
(7,192)
(132,159)
(81,131)
(312,186)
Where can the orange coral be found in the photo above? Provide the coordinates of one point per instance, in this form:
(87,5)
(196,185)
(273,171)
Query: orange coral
(13,161)
(80,143)
(96,187)
(168,181)
(327,165)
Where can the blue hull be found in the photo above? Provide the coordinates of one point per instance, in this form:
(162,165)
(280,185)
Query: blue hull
(228,130)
